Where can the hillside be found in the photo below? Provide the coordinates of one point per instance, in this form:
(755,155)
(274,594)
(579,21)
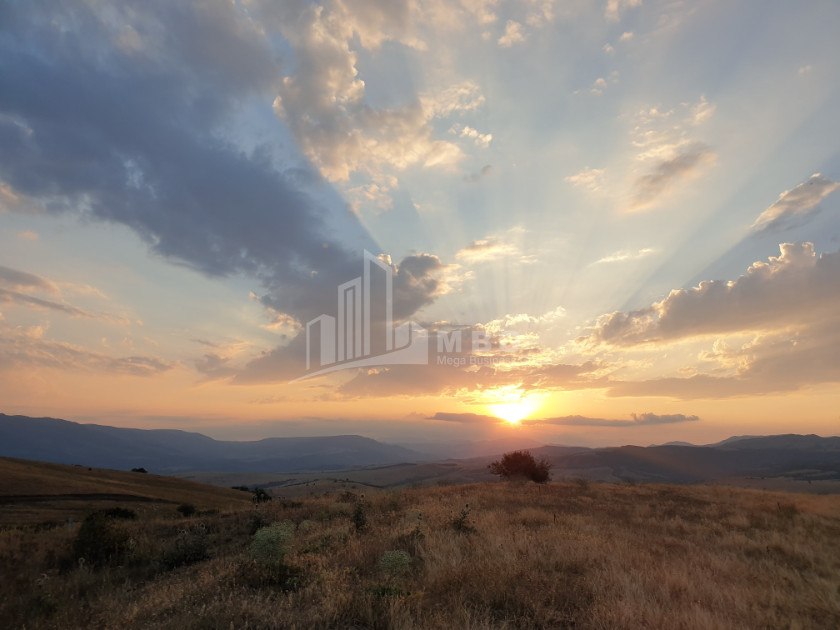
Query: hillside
(492,555)
(37,492)
(809,463)
(167,451)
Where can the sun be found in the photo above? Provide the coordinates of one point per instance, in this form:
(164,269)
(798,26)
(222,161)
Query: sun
(512,412)
(511,404)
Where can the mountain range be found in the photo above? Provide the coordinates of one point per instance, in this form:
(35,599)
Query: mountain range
(164,451)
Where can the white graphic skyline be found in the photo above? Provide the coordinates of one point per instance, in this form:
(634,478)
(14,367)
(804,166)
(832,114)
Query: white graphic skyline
(345,340)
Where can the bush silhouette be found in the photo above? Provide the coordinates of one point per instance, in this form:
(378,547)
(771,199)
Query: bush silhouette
(186,509)
(521,465)
(100,540)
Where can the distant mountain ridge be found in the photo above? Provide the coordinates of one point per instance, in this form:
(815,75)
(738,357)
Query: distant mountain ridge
(805,457)
(172,451)
(167,451)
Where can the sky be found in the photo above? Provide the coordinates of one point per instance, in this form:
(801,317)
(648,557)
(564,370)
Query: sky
(630,206)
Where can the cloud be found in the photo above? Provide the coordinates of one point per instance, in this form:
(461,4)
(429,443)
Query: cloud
(669,172)
(20,280)
(701,112)
(796,204)
(663,138)
(473,178)
(486,250)
(513,34)
(16,288)
(624,255)
(614,8)
(463,418)
(139,137)
(635,421)
(589,178)
(324,101)
(26,347)
(28,235)
(770,363)
(794,288)
(481,139)
(418,280)
(376,194)
(626,36)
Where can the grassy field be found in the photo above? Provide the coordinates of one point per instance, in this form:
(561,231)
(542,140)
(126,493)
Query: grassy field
(492,555)
(37,493)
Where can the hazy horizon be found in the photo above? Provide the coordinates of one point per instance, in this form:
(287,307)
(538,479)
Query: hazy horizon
(627,210)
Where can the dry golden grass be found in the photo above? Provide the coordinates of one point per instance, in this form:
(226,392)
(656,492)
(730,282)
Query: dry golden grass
(38,492)
(524,556)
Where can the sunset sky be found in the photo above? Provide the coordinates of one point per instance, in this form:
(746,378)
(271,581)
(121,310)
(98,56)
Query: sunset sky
(636,201)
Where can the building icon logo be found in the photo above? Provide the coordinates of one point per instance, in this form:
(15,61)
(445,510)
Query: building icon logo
(363,333)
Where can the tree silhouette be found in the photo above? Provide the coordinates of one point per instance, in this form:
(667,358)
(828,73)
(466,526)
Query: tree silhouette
(521,465)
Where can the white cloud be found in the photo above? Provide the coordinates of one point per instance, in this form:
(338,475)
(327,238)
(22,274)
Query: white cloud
(614,8)
(376,194)
(796,288)
(626,36)
(701,112)
(589,178)
(462,97)
(797,203)
(465,131)
(324,100)
(513,34)
(486,250)
(625,255)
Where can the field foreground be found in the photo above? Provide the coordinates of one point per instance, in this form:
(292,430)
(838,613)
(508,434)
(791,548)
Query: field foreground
(494,555)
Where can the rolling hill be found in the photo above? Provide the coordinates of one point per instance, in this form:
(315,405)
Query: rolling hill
(171,451)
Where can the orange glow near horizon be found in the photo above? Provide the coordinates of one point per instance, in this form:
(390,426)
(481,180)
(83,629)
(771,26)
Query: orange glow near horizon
(513,408)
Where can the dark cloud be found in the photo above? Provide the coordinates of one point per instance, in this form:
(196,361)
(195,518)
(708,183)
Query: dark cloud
(636,420)
(669,172)
(214,367)
(15,279)
(125,119)
(463,418)
(13,297)
(474,178)
(19,285)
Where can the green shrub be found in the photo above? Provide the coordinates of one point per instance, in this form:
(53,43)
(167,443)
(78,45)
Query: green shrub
(271,543)
(461,523)
(395,563)
(268,553)
(188,547)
